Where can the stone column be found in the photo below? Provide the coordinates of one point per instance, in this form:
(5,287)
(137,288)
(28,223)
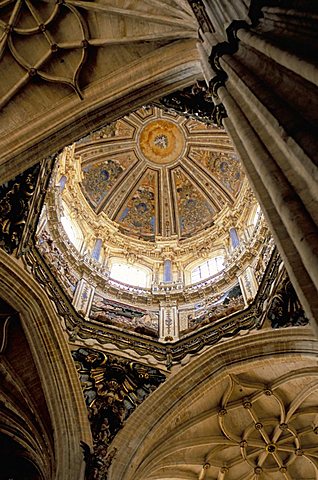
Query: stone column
(266,78)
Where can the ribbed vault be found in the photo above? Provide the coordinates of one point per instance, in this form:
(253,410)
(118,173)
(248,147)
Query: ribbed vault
(63,59)
(253,420)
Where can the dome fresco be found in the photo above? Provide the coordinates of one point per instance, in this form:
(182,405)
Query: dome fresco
(141,214)
(159,174)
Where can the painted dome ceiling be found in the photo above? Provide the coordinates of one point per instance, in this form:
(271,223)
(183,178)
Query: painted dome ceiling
(157,174)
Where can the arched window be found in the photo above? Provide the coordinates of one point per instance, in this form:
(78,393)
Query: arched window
(72,230)
(62,182)
(97,249)
(167,272)
(207,269)
(253,221)
(130,274)
(257,214)
(234,238)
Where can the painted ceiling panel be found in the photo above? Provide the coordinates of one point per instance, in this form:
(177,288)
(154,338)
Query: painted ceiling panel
(225,167)
(139,213)
(155,173)
(99,178)
(192,206)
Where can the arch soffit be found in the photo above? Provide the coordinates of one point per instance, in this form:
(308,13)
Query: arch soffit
(54,364)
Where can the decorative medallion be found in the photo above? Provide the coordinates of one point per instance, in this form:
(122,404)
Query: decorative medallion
(162,142)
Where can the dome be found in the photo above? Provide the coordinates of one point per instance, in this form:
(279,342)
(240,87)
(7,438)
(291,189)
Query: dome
(158,175)
(151,226)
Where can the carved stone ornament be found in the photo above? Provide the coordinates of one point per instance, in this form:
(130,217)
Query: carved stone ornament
(113,388)
(285,309)
(15,198)
(273,438)
(195,102)
(202,16)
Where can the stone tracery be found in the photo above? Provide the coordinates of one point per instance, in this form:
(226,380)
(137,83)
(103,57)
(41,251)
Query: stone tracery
(62,53)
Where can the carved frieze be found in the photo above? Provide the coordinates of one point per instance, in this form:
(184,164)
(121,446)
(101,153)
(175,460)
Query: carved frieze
(195,102)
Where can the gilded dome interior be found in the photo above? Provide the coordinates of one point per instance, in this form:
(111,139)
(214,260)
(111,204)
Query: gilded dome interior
(158,174)
(151,226)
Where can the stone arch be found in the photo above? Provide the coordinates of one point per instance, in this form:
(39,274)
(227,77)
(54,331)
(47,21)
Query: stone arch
(54,366)
(194,395)
(266,80)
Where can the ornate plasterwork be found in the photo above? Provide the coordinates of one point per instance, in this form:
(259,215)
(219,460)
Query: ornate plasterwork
(124,198)
(161,311)
(161,141)
(155,175)
(60,260)
(116,245)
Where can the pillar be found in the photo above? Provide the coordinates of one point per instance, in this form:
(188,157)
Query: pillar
(168,321)
(83,297)
(266,78)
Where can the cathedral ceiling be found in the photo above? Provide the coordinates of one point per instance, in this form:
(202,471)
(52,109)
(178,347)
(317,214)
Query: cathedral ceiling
(244,422)
(159,174)
(64,61)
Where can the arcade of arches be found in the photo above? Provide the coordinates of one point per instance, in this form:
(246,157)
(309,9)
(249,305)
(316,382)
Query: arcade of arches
(158,240)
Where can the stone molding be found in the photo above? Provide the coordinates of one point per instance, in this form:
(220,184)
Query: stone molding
(71,118)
